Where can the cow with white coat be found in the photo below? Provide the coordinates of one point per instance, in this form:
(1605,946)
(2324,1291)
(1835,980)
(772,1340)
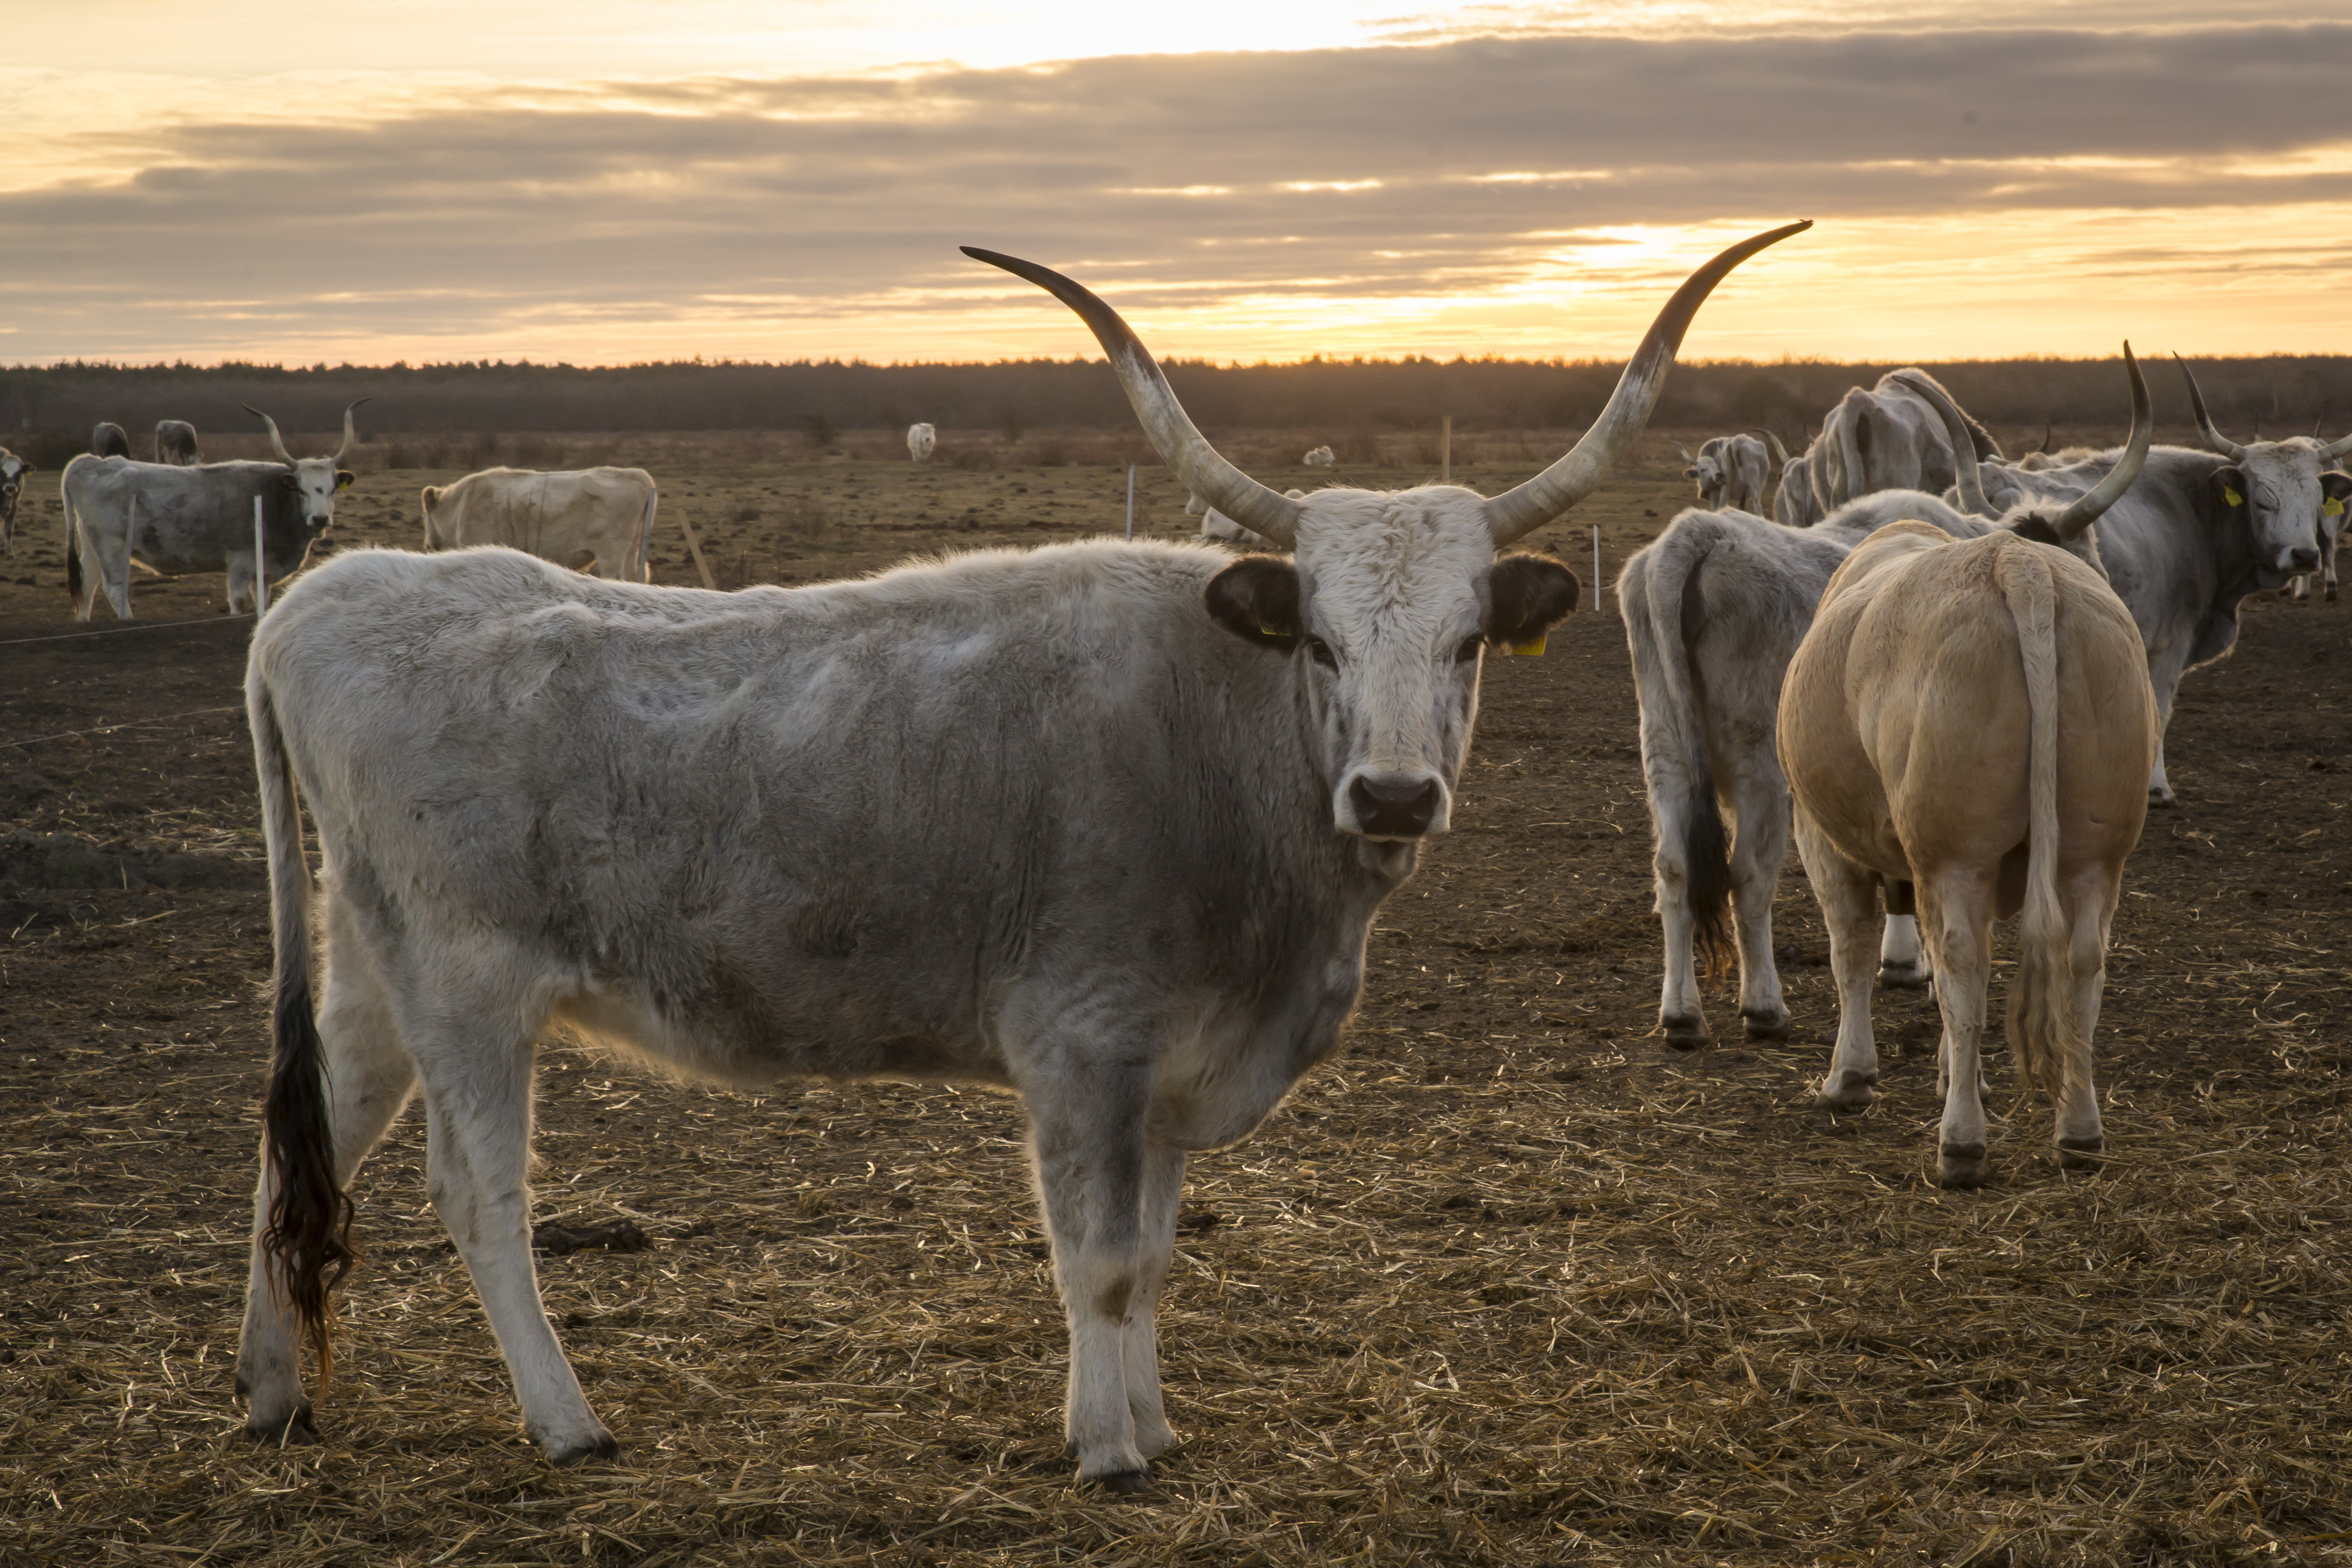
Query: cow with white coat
(175,444)
(1103,823)
(920,441)
(599,520)
(1729,471)
(108,439)
(13,470)
(1888,438)
(173,520)
(1320,458)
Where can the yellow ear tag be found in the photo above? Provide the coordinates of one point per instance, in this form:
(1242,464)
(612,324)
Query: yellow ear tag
(2333,507)
(1531,650)
(2233,498)
(1265,630)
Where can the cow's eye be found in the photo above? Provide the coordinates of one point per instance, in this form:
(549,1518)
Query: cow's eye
(1322,652)
(1468,651)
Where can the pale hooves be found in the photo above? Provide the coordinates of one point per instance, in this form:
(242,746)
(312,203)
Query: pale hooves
(1962,1165)
(293,1431)
(1904,977)
(1765,1025)
(2081,1153)
(1848,1091)
(1687,1031)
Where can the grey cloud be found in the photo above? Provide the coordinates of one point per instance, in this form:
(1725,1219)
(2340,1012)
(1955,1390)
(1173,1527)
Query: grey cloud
(482,215)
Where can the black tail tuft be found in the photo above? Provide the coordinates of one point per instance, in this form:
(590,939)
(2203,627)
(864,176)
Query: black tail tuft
(1706,862)
(309,1229)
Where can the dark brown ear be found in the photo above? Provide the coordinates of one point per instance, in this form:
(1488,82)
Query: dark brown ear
(1256,599)
(345,478)
(2337,487)
(1527,595)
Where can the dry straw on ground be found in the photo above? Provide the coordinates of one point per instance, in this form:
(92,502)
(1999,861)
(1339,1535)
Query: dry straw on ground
(1511,1285)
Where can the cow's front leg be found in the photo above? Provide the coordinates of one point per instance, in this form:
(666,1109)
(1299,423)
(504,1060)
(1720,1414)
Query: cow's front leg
(1957,911)
(1087,1110)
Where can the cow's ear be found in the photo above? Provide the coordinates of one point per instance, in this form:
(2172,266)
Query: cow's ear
(1256,599)
(344,478)
(2337,488)
(2230,484)
(285,481)
(1527,595)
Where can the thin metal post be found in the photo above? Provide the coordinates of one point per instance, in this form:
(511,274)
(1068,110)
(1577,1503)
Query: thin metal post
(1131,501)
(260,570)
(1596,567)
(1445,449)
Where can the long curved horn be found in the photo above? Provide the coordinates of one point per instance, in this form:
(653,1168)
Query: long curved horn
(2337,448)
(2078,517)
(1531,505)
(2213,439)
(1171,431)
(1966,478)
(1678,446)
(2044,447)
(350,438)
(1780,453)
(277,442)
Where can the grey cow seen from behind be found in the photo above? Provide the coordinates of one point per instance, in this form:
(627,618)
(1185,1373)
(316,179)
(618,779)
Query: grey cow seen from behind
(1105,823)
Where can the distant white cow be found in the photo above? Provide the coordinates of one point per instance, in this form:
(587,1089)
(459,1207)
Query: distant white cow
(1730,471)
(175,444)
(1320,458)
(1889,437)
(1793,503)
(13,470)
(1215,525)
(920,440)
(108,439)
(576,518)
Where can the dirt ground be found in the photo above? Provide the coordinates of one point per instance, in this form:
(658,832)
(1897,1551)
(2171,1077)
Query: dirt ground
(1512,1283)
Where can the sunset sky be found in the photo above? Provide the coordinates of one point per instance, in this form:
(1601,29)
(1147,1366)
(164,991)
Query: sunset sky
(600,182)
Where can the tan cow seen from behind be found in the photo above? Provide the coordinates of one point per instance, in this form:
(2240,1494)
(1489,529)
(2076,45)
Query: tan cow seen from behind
(1972,717)
(580,518)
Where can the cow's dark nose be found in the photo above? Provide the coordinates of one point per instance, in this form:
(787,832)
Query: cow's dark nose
(1393,810)
(2302,560)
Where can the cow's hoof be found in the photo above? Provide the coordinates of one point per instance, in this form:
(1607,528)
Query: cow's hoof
(1904,977)
(1849,1091)
(1961,1166)
(601,1446)
(2161,800)
(1687,1032)
(1765,1025)
(294,1431)
(2080,1153)
(1127,1483)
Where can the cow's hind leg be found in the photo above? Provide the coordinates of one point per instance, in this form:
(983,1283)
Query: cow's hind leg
(370,1078)
(1760,847)
(1163,1187)
(1087,1115)
(1848,896)
(1956,915)
(2080,1138)
(476,1057)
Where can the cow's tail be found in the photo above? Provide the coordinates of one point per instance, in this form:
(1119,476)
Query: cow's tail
(645,535)
(1849,465)
(307,1233)
(1662,601)
(73,544)
(2051,1050)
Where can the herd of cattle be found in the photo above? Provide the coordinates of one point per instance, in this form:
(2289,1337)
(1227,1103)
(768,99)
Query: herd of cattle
(1106,822)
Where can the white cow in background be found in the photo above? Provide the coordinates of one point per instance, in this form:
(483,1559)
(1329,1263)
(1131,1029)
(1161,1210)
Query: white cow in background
(920,440)
(1320,458)
(576,518)
(1730,471)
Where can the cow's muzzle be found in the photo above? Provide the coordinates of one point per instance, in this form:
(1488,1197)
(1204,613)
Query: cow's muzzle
(1394,809)
(2302,560)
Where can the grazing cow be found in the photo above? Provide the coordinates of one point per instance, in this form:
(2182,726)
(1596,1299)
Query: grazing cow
(920,440)
(2197,533)
(1887,439)
(1793,503)
(13,470)
(1972,717)
(1320,458)
(1713,609)
(580,518)
(1105,823)
(175,444)
(174,520)
(1730,471)
(108,440)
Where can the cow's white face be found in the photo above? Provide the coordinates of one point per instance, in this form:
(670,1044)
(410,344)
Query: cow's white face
(2281,488)
(12,470)
(1386,608)
(316,481)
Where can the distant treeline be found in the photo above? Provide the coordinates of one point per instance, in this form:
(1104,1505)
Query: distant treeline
(58,405)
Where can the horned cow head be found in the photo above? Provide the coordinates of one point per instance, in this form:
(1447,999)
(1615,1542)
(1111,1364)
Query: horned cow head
(315,480)
(2282,490)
